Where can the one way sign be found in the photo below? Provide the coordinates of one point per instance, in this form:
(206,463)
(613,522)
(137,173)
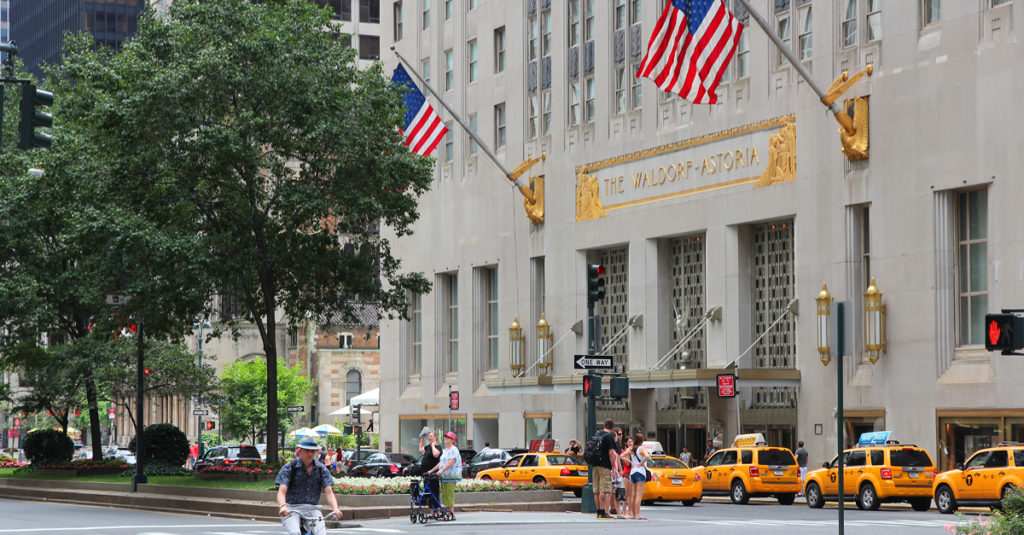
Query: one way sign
(592,362)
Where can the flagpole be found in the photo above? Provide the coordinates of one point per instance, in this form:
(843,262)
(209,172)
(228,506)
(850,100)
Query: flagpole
(840,114)
(458,119)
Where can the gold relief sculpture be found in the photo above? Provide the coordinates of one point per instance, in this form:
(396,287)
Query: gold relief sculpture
(781,157)
(855,145)
(588,202)
(535,207)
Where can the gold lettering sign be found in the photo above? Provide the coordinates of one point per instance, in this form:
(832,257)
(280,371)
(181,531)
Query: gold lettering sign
(760,154)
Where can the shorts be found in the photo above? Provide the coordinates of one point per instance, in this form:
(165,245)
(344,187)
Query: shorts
(602,479)
(448,494)
(638,477)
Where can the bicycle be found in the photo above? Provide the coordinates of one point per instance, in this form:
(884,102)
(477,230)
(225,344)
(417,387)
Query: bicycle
(308,524)
(418,498)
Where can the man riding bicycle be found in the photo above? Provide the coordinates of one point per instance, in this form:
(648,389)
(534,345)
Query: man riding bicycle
(300,482)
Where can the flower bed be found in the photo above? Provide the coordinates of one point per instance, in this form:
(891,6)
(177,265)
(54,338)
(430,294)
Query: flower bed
(377,486)
(11,464)
(237,472)
(85,467)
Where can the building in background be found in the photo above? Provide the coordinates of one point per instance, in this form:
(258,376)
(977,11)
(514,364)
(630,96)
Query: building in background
(717,224)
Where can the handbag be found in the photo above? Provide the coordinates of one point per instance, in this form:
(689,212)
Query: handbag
(620,494)
(649,474)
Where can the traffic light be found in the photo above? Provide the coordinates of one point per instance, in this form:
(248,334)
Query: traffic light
(1004,332)
(31,118)
(209,425)
(591,385)
(619,387)
(595,283)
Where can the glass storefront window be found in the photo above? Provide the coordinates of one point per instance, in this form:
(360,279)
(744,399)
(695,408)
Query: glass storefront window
(960,437)
(537,427)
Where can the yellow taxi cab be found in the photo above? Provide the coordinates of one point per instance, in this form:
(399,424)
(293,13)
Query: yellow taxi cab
(983,480)
(559,470)
(876,470)
(751,468)
(675,481)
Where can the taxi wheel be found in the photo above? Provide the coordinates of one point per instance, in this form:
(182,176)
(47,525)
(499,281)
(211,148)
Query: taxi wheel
(539,479)
(868,498)
(485,478)
(739,494)
(945,502)
(814,498)
(921,504)
(689,503)
(785,499)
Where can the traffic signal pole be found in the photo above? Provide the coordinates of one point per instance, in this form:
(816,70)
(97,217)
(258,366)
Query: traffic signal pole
(587,502)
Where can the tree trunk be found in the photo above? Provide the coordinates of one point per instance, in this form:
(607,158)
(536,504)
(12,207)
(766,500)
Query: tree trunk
(94,417)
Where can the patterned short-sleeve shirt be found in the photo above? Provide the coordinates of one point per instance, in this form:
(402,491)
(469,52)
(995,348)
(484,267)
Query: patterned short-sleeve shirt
(304,487)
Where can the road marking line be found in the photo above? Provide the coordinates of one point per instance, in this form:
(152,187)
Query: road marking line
(97,528)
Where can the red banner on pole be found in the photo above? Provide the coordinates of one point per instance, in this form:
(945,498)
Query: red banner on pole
(726,386)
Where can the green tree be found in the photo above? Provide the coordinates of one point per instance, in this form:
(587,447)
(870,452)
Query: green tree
(243,404)
(250,123)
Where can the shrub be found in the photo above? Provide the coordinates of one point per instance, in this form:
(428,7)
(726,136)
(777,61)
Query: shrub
(211,439)
(48,446)
(1008,521)
(159,468)
(90,465)
(164,443)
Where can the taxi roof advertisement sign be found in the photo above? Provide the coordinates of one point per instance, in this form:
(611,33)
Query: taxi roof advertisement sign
(875,438)
(726,385)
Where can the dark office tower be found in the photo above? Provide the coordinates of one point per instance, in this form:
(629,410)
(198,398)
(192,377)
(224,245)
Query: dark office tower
(38,26)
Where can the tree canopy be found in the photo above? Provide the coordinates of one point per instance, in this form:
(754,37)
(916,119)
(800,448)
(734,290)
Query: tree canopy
(243,404)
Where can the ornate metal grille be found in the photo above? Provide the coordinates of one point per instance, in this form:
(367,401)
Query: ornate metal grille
(686,262)
(613,308)
(773,286)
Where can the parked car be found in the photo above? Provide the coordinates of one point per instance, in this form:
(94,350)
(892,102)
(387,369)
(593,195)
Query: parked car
(351,459)
(486,458)
(559,470)
(228,455)
(262,448)
(382,465)
(675,481)
(82,452)
(124,454)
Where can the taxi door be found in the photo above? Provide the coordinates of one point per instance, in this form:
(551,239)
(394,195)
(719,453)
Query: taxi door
(853,471)
(723,476)
(831,480)
(527,469)
(991,475)
(510,470)
(968,481)
(712,469)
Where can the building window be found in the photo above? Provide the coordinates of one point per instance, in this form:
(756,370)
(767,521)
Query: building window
(620,90)
(588,20)
(449,9)
(491,327)
(345,340)
(532,37)
(613,308)
(426,69)
(687,297)
(574,103)
(545,39)
(874,20)
(635,89)
(369,47)
(930,12)
(574,22)
(499,49)
(471,5)
(590,106)
(398,21)
(426,14)
(452,322)
(471,52)
(342,8)
(773,286)
(783,30)
(532,116)
(849,24)
(449,144)
(804,41)
(499,125)
(619,14)
(416,334)
(743,56)
(473,147)
(353,385)
(449,70)
(972,265)
(545,100)
(369,11)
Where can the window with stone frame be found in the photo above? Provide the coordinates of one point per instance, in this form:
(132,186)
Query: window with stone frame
(416,335)
(971,219)
(628,48)
(353,385)
(580,63)
(539,42)
(614,308)
(773,286)
(687,296)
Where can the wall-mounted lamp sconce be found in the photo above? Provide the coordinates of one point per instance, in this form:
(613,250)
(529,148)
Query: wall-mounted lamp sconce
(544,338)
(515,342)
(824,301)
(874,322)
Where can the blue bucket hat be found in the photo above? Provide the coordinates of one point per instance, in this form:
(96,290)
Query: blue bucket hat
(309,443)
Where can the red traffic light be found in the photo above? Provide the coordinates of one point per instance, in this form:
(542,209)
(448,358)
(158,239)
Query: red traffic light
(146,371)
(209,425)
(591,385)
(595,283)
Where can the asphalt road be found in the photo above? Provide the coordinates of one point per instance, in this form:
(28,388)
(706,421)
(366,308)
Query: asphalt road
(30,518)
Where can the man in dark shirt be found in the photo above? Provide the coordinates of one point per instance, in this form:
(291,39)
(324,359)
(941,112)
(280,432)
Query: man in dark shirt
(300,482)
(801,461)
(603,471)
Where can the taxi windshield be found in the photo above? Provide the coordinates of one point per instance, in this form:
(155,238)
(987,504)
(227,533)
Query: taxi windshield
(909,457)
(665,462)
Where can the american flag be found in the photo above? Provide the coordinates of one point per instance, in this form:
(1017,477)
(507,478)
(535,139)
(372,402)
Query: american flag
(423,128)
(690,48)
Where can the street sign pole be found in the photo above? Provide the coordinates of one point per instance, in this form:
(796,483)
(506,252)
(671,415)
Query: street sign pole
(587,502)
(140,453)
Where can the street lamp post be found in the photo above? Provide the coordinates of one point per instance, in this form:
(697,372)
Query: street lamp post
(824,302)
(199,417)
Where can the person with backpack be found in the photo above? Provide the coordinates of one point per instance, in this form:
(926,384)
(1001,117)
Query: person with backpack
(300,482)
(602,454)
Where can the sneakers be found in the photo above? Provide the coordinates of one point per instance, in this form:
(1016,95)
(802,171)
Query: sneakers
(601,515)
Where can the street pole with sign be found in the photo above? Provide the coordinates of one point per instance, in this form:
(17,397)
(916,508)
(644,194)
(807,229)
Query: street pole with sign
(140,457)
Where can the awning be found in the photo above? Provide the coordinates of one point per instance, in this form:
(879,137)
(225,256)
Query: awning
(346,410)
(367,398)
(638,380)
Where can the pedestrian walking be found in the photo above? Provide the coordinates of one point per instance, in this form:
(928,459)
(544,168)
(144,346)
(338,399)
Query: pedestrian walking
(638,473)
(300,483)
(801,461)
(450,469)
(686,456)
(193,455)
(603,470)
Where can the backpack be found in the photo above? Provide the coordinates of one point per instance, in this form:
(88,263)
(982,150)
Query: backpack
(592,454)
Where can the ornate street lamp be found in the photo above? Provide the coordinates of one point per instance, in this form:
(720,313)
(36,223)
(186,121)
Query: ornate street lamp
(824,301)
(515,342)
(543,345)
(874,323)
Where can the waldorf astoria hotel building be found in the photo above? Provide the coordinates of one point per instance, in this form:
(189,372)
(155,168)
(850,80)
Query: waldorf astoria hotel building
(718,226)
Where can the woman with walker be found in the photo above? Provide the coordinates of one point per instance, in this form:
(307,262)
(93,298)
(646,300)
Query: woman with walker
(450,469)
